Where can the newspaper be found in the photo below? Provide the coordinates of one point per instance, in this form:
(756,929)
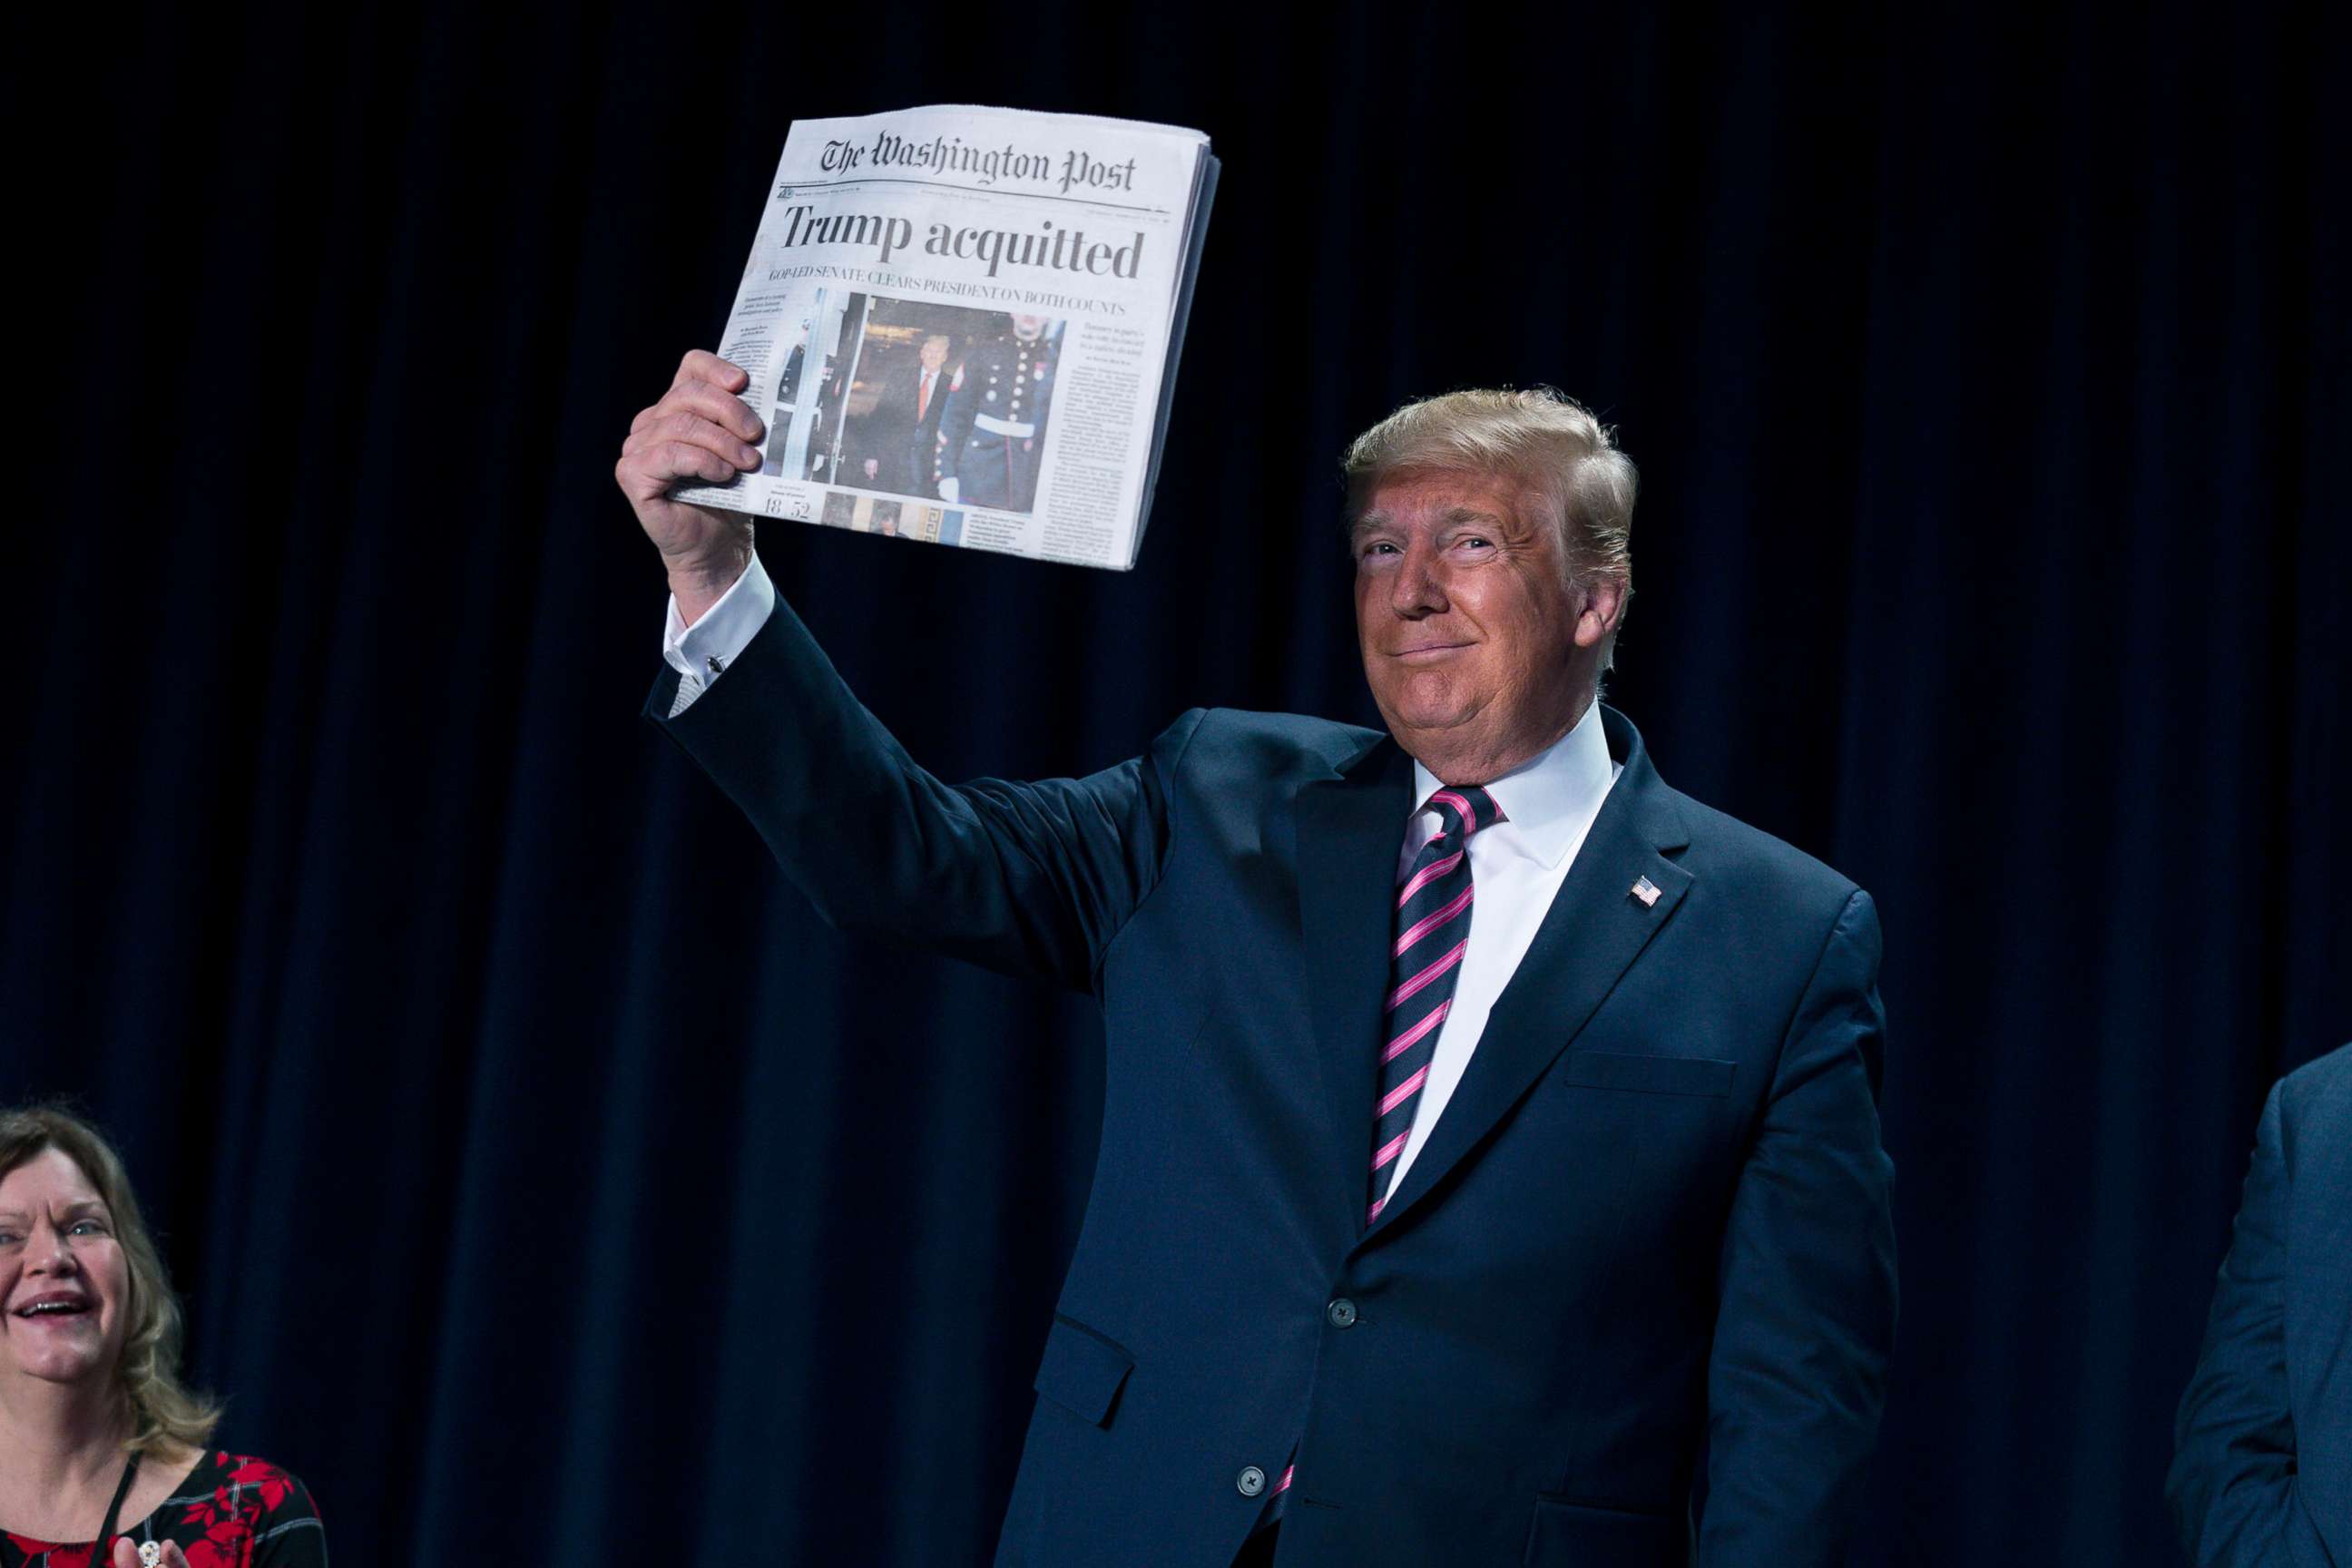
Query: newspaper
(962,325)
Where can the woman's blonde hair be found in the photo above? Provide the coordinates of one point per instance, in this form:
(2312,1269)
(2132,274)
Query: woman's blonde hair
(166,1413)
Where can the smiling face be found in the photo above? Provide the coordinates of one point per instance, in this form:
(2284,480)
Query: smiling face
(1479,649)
(65,1284)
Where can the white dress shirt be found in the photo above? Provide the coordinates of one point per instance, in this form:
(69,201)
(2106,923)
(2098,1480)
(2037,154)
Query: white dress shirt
(699,652)
(1516,864)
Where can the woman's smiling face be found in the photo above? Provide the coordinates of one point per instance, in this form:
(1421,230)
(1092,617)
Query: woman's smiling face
(64,1281)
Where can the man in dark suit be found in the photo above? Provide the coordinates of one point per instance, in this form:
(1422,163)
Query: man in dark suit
(898,440)
(1490,1169)
(2261,1476)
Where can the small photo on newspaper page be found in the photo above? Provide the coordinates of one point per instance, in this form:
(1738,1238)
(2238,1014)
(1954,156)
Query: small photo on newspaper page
(962,327)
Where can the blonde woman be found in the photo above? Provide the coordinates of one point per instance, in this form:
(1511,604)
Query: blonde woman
(105,1459)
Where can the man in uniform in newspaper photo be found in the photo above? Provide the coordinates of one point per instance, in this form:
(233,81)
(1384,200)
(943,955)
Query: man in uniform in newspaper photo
(992,436)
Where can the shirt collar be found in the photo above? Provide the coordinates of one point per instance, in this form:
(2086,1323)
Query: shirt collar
(1547,800)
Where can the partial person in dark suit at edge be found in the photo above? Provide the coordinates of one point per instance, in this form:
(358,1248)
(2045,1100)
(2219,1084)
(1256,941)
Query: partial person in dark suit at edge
(2262,1474)
(1415,1238)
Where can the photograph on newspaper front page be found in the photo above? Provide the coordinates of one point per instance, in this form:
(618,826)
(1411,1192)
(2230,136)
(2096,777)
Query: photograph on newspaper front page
(935,401)
(891,519)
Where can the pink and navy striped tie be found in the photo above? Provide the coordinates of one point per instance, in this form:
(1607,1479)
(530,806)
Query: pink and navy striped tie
(1432,931)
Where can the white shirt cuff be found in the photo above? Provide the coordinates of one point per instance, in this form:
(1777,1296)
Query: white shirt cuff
(700,653)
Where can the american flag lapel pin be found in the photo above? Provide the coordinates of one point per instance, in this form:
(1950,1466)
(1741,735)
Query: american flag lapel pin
(1647,892)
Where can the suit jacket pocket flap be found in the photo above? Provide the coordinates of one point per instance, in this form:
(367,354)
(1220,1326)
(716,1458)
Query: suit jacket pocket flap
(1082,1372)
(1565,1533)
(1651,1075)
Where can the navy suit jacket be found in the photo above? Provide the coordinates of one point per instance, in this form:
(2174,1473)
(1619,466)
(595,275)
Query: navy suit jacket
(1647,1252)
(2262,1474)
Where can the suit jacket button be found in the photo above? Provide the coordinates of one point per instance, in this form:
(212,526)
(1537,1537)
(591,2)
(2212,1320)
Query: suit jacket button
(1342,1313)
(1251,1482)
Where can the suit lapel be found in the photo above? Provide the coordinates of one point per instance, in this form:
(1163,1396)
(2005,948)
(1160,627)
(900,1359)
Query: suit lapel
(1596,928)
(1350,831)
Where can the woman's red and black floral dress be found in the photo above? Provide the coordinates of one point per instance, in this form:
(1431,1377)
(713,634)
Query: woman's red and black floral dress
(231,1512)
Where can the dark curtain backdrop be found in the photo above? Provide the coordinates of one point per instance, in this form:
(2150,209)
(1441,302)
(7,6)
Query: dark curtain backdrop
(548,1185)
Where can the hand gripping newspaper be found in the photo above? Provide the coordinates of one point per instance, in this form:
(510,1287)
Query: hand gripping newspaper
(962,325)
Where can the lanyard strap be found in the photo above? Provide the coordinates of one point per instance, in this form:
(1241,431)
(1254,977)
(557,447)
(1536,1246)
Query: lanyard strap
(105,1532)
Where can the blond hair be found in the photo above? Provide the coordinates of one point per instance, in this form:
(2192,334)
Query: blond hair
(1539,437)
(166,1413)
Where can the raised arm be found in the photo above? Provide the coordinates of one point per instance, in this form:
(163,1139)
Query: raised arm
(1027,879)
